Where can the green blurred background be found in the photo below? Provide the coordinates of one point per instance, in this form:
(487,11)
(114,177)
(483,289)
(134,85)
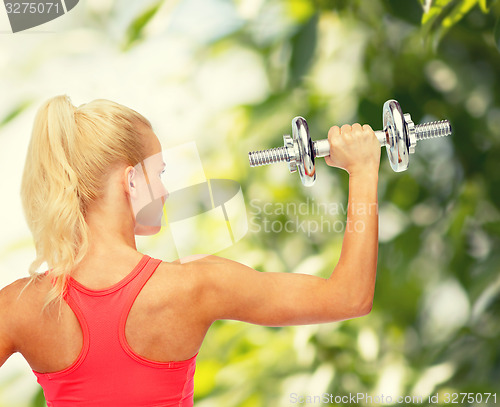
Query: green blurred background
(231,75)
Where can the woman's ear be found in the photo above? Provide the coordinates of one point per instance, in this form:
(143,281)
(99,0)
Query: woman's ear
(131,181)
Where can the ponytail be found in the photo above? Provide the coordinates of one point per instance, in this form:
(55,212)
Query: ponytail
(70,150)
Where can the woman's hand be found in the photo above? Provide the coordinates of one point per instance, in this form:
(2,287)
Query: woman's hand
(354,148)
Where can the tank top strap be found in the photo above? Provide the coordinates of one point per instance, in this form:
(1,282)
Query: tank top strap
(135,286)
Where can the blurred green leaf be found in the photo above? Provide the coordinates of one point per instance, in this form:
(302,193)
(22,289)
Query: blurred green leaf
(458,12)
(443,15)
(301,10)
(496,34)
(303,50)
(486,5)
(16,111)
(410,11)
(135,30)
(39,399)
(435,11)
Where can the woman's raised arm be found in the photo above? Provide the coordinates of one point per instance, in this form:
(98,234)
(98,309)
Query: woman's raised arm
(234,291)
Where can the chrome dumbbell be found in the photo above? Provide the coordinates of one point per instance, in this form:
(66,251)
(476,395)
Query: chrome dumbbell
(400,136)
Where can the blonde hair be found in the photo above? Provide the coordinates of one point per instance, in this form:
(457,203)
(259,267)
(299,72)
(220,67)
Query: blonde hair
(70,152)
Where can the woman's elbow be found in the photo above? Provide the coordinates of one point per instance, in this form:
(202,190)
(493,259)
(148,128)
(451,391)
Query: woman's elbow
(354,309)
(364,308)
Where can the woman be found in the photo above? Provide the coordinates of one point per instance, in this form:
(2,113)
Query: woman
(109,326)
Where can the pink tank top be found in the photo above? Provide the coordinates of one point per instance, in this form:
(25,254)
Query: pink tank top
(108,373)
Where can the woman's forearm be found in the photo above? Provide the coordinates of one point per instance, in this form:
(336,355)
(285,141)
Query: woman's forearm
(355,274)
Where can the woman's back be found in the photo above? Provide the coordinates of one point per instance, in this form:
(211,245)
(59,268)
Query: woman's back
(161,326)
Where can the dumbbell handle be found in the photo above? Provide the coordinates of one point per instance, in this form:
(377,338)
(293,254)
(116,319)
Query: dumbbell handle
(322,147)
(422,131)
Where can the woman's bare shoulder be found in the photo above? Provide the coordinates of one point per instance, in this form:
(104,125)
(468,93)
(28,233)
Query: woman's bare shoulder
(199,272)
(10,305)
(23,293)
(190,273)
(10,292)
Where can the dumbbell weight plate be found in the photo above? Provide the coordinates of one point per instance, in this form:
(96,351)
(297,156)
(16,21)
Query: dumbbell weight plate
(397,138)
(305,154)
